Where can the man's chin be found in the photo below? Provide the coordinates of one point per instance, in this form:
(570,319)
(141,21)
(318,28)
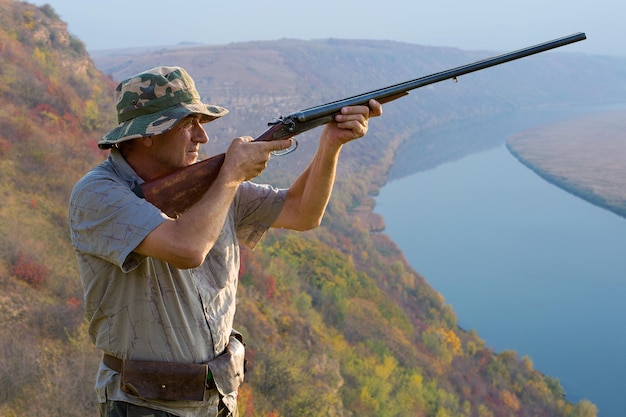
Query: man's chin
(192,158)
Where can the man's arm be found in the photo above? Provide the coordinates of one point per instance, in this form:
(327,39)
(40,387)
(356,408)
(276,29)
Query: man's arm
(308,196)
(185,241)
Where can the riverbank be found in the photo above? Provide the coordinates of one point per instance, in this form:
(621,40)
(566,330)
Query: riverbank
(584,156)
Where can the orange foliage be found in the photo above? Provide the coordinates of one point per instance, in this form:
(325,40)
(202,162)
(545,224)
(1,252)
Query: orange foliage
(245,401)
(451,340)
(510,400)
(74,303)
(29,271)
(270,287)
(5,147)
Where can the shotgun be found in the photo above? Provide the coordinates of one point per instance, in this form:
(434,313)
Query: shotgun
(176,192)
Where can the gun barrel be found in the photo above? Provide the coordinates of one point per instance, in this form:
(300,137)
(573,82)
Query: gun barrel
(380,94)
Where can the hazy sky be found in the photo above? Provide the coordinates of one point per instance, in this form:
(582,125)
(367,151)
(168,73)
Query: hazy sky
(497,25)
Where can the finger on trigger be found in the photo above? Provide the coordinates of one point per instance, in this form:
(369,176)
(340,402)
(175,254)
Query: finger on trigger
(279,145)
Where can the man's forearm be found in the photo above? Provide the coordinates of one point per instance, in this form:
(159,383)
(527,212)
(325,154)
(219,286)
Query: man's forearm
(185,241)
(308,196)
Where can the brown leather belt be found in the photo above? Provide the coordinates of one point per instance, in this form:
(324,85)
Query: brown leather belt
(112,362)
(162,380)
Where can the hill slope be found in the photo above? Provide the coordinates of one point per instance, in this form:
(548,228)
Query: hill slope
(54,104)
(337,323)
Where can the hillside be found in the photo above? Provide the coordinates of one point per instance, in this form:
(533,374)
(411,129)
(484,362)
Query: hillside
(54,103)
(583,156)
(336,321)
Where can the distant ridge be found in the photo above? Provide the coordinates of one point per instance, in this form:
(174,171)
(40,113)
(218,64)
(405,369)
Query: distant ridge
(282,76)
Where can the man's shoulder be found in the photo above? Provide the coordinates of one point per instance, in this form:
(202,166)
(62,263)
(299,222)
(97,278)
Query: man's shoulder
(113,169)
(102,173)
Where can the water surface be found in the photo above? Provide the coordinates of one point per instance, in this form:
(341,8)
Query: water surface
(530,267)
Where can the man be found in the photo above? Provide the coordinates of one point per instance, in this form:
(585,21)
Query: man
(160,291)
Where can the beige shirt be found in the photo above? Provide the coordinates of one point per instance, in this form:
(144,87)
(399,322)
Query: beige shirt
(140,307)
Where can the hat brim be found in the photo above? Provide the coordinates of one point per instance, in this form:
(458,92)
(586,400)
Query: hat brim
(159,122)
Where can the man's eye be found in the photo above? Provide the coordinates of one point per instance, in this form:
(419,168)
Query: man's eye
(188,124)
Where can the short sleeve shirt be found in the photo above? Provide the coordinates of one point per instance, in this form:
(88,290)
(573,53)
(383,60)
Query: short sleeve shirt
(143,308)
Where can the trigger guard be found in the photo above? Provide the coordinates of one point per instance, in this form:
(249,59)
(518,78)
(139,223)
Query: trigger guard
(293,147)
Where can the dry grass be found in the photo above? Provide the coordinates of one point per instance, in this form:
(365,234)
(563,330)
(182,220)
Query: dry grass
(586,156)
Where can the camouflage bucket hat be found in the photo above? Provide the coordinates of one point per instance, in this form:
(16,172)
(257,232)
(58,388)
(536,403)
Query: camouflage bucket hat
(152,102)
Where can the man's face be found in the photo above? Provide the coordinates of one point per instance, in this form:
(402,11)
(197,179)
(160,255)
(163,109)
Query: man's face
(178,147)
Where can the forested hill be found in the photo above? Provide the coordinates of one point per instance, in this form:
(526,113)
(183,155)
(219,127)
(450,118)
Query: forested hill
(337,323)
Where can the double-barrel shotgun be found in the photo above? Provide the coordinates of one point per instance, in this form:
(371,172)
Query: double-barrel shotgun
(176,192)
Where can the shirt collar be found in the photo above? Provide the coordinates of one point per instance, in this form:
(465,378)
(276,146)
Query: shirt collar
(125,171)
(122,168)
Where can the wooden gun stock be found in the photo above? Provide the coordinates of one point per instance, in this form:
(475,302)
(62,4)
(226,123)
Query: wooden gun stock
(176,192)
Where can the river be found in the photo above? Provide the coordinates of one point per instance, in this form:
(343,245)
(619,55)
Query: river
(529,266)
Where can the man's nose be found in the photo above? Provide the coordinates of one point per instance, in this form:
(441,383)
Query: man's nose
(199,134)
